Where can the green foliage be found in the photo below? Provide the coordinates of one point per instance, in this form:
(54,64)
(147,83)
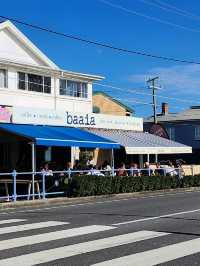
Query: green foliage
(88,185)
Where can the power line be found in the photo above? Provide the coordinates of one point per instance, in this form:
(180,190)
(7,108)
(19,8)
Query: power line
(148,17)
(191,15)
(169,9)
(147,94)
(101,44)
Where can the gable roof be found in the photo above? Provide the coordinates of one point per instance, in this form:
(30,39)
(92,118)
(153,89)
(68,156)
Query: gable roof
(7,25)
(129,109)
(189,114)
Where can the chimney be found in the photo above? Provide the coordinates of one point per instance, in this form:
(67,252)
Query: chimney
(165,108)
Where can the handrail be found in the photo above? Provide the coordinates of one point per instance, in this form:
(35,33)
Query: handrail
(71,172)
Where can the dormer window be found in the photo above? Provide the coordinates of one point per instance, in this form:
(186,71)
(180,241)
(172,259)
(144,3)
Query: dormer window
(73,88)
(32,82)
(3,78)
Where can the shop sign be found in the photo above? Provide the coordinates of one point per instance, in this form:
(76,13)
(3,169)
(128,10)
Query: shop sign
(22,115)
(61,118)
(5,114)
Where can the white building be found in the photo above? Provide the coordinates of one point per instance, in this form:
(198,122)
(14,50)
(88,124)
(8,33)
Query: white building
(34,90)
(29,78)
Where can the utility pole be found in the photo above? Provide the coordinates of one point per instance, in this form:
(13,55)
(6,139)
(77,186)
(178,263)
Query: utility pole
(153,87)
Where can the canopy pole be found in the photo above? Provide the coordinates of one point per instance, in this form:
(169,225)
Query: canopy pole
(148,158)
(113,162)
(33,168)
(156,158)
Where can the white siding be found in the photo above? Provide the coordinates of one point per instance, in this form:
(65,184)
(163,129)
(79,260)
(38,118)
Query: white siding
(11,49)
(12,96)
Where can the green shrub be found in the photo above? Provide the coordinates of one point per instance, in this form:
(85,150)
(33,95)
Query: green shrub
(89,185)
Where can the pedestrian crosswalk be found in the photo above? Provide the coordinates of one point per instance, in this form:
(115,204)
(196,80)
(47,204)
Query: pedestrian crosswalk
(95,239)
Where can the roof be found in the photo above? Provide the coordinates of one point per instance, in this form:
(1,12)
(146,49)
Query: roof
(142,143)
(129,109)
(49,66)
(189,114)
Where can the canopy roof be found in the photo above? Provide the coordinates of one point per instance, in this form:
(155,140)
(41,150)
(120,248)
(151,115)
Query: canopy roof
(142,143)
(59,136)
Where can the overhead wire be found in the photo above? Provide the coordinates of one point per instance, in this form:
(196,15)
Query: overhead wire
(166,7)
(166,22)
(147,94)
(101,44)
(189,14)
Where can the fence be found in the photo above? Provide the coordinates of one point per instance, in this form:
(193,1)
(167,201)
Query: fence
(40,179)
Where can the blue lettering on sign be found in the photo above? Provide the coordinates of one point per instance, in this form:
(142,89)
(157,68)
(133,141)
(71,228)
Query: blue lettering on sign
(80,120)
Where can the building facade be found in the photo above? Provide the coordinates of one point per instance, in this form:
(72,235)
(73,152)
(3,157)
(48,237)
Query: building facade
(26,73)
(183,127)
(105,104)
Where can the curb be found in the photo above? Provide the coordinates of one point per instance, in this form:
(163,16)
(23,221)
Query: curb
(82,200)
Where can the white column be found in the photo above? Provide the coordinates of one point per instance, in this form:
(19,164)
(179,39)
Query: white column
(156,158)
(148,158)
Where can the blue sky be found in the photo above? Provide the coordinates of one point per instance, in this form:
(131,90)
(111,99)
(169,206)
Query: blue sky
(95,20)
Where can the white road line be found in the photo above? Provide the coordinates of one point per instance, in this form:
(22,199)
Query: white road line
(156,217)
(11,221)
(25,227)
(41,238)
(76,249)
(157,256)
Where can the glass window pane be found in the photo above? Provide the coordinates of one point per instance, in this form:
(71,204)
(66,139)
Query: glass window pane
(73,88)
(85,90)
(35,83)
(47,84)
(3,78)
(62,87)
(21,81)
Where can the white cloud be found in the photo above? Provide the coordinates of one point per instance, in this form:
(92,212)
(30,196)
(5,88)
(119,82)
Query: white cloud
(177,80)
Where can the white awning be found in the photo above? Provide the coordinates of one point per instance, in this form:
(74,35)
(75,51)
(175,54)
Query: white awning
(142,143)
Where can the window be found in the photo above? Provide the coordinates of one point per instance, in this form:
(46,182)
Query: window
(197,133)
(73,88)
(32,82)
(171,133)
(3,78)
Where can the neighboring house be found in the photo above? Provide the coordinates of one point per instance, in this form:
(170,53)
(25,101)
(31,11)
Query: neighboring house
(29,78)
(105,104)
(183,127)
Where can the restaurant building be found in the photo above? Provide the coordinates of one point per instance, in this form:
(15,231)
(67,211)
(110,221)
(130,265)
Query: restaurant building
(46,113)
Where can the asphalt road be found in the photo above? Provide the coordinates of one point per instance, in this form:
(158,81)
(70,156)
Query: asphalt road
(150,230)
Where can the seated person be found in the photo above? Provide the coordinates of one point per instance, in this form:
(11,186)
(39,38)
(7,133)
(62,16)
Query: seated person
(45,168)
(147,169)
(121,171)
(134,171)
(95,171)
(106,166)
(158,170)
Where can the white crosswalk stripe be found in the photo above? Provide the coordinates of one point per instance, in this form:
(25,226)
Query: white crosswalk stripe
(25,227)
(149,257)
(157,256)
(76,249)
(41,238)
(11,221)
